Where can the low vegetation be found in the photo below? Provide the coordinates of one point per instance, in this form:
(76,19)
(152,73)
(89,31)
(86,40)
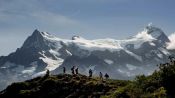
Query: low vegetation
(158,85)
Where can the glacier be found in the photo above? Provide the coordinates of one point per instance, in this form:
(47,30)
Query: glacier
(121,59)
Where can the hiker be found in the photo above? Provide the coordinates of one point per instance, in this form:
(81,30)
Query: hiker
(76,70)
(106,76)
(101,76)
(64,70)
(90,72)
(47,73)
(72,69)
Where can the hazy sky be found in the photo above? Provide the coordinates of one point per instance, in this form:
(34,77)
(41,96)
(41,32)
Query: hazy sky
(88,18)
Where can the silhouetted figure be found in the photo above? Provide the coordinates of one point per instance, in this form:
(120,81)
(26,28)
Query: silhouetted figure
(101,76)
(47,73)
(106,76)
(72,69)
(64,70)
(76,70)
(90,72)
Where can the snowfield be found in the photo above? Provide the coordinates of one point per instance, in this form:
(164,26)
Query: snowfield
(121,59)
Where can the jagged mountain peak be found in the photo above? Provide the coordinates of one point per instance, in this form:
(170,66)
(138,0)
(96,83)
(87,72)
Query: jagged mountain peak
(37,40)
(154,31)
(157,33)
(49,52)
(76,37)
(37,33)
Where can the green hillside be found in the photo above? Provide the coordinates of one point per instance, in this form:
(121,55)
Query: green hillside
(160,84)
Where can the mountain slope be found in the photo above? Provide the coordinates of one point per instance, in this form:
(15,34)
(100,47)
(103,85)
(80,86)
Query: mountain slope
(122,59)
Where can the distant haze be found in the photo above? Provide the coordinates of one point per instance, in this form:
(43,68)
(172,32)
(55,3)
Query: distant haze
(88,18)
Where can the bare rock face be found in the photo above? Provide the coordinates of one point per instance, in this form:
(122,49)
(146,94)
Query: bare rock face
(122,59)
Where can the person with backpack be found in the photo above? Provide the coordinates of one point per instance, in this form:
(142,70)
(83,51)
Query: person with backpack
(101,76)
(72,69)
(106,76)
(76,70)
(64,70)
(90,72)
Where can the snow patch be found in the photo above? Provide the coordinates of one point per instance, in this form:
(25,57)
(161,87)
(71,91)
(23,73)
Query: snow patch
(127,73)
(131,67)
(160,55)
(54,52)
(109,61)
(29,70)
(152,44)
(164,51)
(144,35)
(52,64)
(171,44)
(93,45)
(42,73)
(68,52)
(134,55)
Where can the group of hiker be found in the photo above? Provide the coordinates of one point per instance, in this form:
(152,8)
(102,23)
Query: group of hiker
(74,70)
(100,74)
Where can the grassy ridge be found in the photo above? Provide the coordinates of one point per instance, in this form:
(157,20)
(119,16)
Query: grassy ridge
(62,86)
(160,84)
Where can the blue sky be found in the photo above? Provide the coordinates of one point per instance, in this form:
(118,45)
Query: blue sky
(88,18)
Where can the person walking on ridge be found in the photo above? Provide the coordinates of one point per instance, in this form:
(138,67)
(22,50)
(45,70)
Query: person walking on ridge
(76,70)
(90,72)
(101,76)
(64,70)
(106,76)
(72,69)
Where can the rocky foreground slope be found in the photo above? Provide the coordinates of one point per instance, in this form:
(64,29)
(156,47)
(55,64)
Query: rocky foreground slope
(158,85)
(62,86)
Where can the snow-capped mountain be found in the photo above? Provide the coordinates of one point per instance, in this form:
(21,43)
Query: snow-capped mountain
(120,58)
